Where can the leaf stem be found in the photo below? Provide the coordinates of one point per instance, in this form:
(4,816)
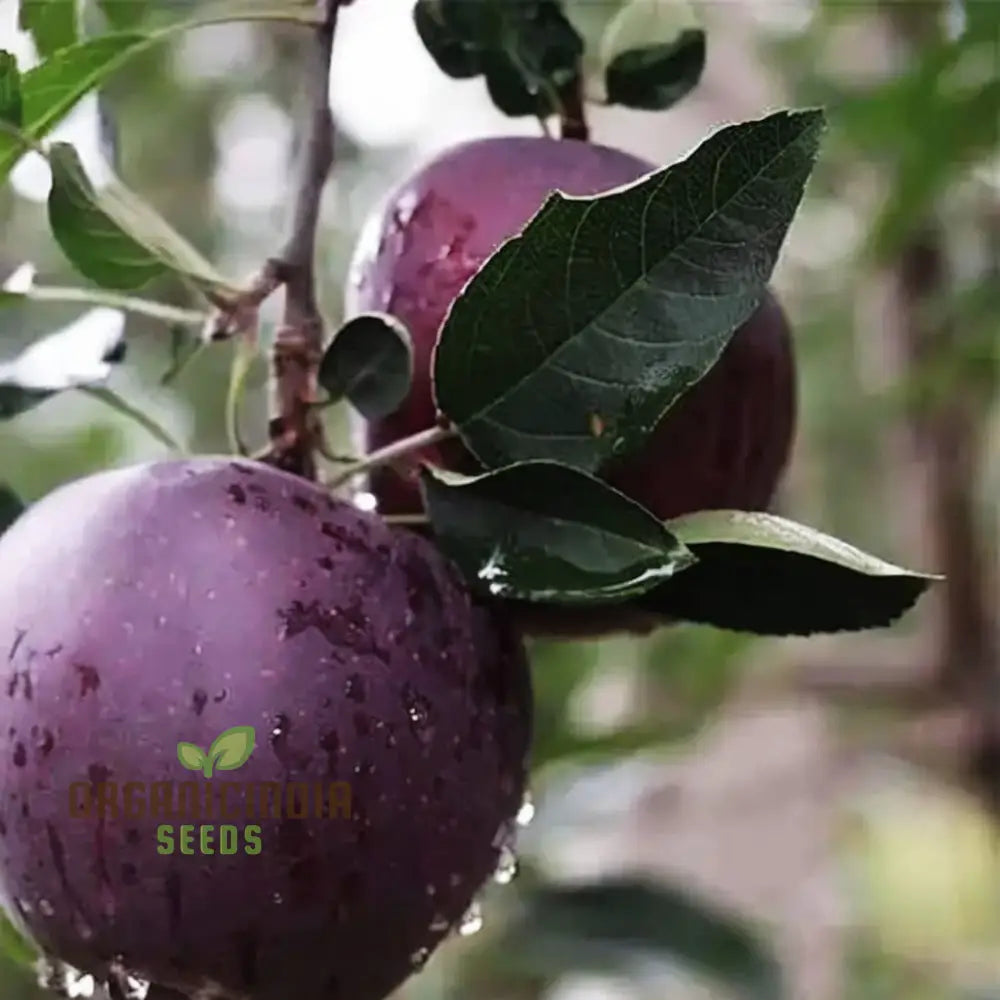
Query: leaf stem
(142,307)
(119,405)
(391,452)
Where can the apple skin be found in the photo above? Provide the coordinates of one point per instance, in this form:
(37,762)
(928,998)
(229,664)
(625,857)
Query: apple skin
(723,445)
(171,601)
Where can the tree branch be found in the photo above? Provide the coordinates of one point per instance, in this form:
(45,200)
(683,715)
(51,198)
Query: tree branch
(295,427)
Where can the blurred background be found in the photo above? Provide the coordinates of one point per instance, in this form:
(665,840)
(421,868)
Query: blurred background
(836,795)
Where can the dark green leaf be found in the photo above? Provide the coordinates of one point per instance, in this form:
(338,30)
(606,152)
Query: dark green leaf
(79,354)
(370,363)
(455,56)
(658,76)
(11,105)
(53,24)
(544,532)
(620,925)
(113,237)
(526,49)
(763,574)
(11,507)
(576,337)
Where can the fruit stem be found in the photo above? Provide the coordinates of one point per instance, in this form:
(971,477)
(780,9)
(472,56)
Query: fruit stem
(142,307)
(389,454)
(404,519)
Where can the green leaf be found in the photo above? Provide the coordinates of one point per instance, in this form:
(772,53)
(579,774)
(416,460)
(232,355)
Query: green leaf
(454,56)
(54,24)
(11,507)
(652,53)
(763,574)
(52,89)
(191,756)
(232,748)
(123,14)
(15,945)
(80,354)
(576,337)
(656,77)
(11,104)
(540,531)
(620,925)
(370,363)
(527,50)
(113,237)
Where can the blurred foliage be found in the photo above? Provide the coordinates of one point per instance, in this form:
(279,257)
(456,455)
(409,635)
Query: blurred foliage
(919,135)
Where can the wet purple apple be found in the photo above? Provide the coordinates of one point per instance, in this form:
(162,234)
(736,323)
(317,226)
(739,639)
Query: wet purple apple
(724,445)
(359,723)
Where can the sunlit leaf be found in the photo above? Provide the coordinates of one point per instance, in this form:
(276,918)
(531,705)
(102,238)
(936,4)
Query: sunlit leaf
(764,574)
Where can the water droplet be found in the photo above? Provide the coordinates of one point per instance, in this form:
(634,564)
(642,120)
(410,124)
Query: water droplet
(506,870)
(278,898)
(418,711)
(78,984)
(46,908)
(439,924)
(472,921)
(419,958)
(527,811)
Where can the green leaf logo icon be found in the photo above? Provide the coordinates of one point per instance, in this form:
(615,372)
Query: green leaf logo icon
(230,749)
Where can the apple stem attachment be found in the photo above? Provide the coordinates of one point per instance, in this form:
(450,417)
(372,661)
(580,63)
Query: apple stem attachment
(391,452)
(405,520)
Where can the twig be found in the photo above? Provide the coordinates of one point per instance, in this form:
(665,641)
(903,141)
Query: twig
(295,426)
(391,452)
(141,307)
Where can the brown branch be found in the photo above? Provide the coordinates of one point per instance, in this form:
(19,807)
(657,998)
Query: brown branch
(295,427)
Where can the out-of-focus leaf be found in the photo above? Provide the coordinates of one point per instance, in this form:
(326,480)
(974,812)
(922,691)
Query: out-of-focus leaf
(79,354)
(527,51)
(123,14)
(54,24)
(764,574)
(52,89)
(656,77)
(652,54)
(14,945)
(11,105)
(11,508)
(113,237)
(456,57)
(616,925)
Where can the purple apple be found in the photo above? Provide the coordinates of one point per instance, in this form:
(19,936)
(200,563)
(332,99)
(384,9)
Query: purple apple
(150,610)
(725,444)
